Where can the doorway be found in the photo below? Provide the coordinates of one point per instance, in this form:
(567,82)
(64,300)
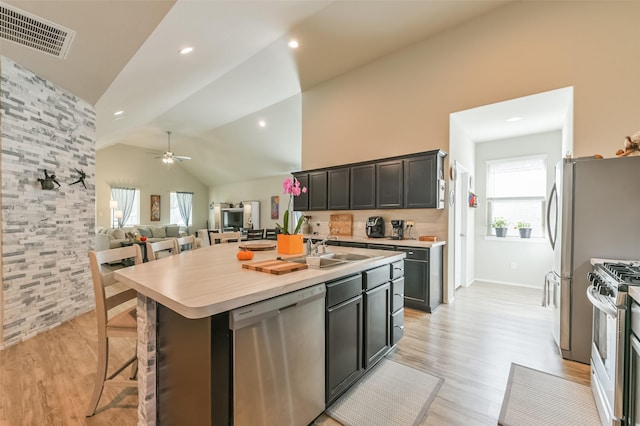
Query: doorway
(460,224)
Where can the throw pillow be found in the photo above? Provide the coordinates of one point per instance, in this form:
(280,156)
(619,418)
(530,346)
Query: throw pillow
(144,232)
(173,231)
(117,234)
(158,231)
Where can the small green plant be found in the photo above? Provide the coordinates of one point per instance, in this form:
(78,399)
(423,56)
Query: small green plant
(499,222)
(523,224)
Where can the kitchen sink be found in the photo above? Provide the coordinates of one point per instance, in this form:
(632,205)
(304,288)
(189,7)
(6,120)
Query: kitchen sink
(318,262)
(349,257)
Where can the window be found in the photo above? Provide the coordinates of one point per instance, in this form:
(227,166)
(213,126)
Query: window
(128,202)
(516,190)
(176,214)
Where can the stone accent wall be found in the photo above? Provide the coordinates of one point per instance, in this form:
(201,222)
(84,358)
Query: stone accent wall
(46,234)
(147,355)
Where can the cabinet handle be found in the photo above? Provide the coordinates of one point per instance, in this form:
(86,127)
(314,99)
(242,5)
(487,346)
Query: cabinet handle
(397,269)
(399,294)
(410,252)
(401,327)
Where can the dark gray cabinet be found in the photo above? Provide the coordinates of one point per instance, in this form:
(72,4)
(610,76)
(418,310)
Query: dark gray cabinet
(318,190)
(344,340)
(301,202)
(338,189)
(377,323)
(423,278)
(389,184)
(363,187)
(421,181)
(409,181)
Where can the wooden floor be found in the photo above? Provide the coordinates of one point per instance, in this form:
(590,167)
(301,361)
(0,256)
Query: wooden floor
(470,343)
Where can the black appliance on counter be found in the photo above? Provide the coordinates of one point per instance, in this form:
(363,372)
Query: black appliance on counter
(375,227)
(397,229)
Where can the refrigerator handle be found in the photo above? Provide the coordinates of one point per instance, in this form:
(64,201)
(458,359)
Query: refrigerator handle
(553,197)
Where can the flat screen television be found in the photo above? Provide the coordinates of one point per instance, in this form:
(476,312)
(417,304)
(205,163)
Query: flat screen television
(232,219)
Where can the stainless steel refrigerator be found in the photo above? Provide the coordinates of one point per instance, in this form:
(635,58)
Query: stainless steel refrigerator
(593,211)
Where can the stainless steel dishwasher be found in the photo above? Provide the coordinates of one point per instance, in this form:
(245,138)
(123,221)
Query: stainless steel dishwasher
(278,359)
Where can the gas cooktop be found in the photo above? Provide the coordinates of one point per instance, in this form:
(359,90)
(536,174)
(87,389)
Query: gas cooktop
(628,273)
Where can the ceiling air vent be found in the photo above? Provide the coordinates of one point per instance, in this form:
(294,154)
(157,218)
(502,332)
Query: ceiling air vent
(35,32)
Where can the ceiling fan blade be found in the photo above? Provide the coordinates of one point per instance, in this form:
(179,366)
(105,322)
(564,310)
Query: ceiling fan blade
(182,157)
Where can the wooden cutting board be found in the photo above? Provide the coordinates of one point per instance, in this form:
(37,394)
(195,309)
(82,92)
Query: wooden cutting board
(277,267)
(258,245)
(341,224)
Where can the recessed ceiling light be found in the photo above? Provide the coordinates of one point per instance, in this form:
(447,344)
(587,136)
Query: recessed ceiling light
(117,113)
(262,123)
(513,119)
(186,50)
(293,43)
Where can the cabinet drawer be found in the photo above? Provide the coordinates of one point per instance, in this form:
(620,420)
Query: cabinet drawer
(397,294)
(397,269)
(344,289)
(397,326)
(375,277)
(415,253)
(635,318)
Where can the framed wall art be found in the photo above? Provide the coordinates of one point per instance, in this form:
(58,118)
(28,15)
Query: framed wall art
(155,207)
(275,207)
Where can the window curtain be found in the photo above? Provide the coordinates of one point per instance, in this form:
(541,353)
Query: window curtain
(184,206)
(125,198)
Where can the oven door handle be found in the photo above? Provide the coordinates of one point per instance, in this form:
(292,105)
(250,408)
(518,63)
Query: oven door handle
(609,310)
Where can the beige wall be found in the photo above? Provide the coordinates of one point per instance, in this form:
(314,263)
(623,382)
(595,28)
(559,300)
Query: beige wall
(128,166)
(401,103)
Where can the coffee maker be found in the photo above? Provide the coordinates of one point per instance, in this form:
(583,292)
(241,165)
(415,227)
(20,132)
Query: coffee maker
(397,229)
(375,227)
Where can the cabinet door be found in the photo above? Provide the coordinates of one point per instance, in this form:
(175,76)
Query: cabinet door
(363,187)
(389,183)
(338,182)
(301,202)
(416,281)
(377,323)
(317,190)
(343,347)
(420,182)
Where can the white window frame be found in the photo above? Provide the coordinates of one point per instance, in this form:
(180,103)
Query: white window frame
(539,199)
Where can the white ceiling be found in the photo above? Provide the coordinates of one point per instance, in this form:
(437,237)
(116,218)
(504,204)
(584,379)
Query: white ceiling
(125,57)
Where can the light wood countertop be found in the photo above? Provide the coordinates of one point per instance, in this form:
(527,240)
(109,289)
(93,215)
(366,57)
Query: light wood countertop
(210,280)
(384,241)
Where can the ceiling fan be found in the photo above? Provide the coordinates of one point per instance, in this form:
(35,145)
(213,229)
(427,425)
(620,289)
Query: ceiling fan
(169,157)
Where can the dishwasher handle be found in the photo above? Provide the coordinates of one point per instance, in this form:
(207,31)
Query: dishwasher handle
(260,311)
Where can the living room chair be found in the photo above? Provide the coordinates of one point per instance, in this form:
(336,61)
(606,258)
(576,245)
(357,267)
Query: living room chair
(271,234)
(162,248)
(225,237)
(187,243)
(255,234)
(112,320)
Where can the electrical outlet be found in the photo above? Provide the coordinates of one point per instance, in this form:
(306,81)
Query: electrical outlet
(410,223)
(514,265)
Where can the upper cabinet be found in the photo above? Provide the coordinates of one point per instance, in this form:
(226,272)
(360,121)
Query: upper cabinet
(409,181)
(363,187)
(423,181)
(338,185)
(317,190)
(389,184)
(301,202)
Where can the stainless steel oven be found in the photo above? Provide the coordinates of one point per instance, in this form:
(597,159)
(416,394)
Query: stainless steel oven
(609,296)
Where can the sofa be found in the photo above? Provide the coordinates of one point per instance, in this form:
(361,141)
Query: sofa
(108,238)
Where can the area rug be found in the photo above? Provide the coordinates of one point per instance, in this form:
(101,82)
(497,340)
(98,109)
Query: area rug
(391,394)
(537,398)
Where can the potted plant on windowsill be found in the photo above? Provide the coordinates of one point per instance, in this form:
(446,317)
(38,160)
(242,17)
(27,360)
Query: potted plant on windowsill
(500,225)
(524,228)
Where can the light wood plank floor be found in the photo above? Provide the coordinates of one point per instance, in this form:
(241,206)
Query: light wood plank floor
(471,343)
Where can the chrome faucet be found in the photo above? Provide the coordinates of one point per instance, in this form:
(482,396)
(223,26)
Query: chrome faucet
(312,249)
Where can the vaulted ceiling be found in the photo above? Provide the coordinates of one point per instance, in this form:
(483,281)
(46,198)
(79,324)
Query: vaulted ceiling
(125,57)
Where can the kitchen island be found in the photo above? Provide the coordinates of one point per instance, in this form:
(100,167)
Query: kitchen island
(191,295)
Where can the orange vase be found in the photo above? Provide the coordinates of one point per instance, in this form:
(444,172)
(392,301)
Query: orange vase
(290,244)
